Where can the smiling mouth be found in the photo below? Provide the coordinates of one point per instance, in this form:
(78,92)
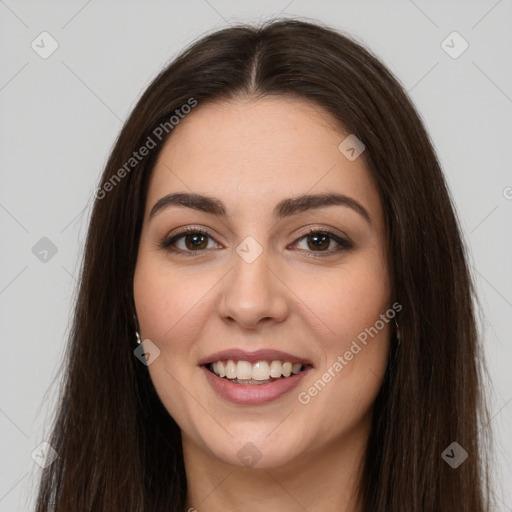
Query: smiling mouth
(262,372)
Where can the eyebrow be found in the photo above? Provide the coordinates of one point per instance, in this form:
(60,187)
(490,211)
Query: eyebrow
(285,208)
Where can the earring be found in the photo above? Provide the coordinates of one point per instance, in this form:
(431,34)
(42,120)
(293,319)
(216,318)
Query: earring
(137,335)
(397,333)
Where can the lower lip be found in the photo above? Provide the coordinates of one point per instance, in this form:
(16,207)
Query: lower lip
(252,394)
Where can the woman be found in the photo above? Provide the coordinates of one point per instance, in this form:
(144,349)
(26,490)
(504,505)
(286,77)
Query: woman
(275,310)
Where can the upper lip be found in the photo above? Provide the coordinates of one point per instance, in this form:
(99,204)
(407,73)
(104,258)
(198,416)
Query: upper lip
(237,354)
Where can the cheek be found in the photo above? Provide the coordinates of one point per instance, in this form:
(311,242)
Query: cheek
(353,299)
(358,312)
(170,308)
(171,304)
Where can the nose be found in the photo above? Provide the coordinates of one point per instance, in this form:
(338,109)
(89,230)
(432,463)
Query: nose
(252,294)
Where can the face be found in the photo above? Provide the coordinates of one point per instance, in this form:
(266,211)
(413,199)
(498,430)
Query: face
(255,276)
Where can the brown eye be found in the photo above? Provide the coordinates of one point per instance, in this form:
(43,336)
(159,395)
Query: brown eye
(190,241)
(195,241)
(318,241)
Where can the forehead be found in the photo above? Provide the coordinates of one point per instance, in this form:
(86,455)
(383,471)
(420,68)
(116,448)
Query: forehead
(252,153)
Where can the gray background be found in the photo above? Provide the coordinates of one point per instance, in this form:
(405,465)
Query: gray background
(61,115)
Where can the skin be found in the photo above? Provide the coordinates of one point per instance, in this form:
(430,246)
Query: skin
(251,154)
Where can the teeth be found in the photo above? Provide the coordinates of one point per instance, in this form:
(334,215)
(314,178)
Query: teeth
(243,370)
(287,369)
(275,369)
(230,370)
(219,369)
(296,368)
(260,371)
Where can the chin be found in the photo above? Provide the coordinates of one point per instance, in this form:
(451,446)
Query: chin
(256,450)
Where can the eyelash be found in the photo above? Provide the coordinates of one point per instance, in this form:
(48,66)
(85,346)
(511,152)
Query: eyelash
(344,244)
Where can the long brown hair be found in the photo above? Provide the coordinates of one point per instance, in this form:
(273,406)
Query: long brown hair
(119,449)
